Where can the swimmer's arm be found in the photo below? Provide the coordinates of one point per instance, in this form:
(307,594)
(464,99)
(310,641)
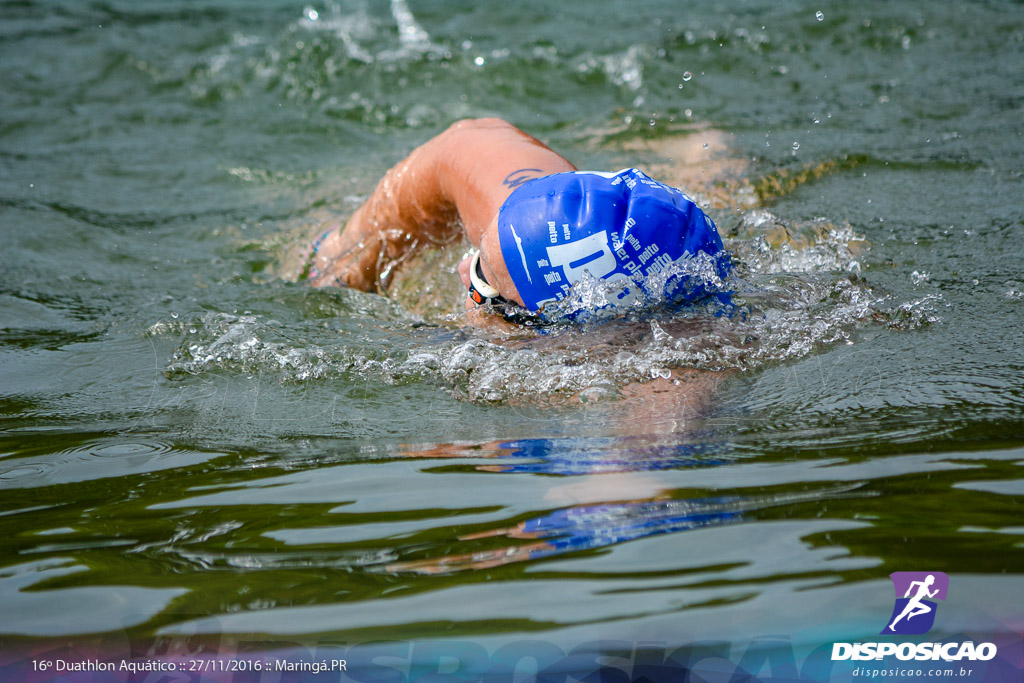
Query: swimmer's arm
(461,176)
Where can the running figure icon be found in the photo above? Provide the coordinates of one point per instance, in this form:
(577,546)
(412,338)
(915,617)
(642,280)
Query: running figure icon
(915,607)
(918,591)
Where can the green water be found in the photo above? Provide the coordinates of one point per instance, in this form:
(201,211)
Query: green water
(193,444)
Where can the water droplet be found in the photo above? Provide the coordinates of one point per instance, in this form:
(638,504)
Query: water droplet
(815,120)
(819,15)
(312,14)
(174,316)
(479,61)
(651,124)
(687,75)
(689,113)
(796,146)
(191,330)
(705,145)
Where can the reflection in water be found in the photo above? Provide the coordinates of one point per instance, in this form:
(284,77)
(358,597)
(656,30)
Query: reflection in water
(589,455)
(583,527)
(621,504)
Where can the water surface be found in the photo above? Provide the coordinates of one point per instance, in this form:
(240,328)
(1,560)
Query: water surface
(194,443)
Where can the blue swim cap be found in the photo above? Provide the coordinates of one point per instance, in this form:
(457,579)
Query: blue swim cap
(620,227)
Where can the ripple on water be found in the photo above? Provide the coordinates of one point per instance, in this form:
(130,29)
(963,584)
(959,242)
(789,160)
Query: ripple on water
(101,459)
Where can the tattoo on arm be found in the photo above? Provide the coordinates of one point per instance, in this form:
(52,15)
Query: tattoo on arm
(520,176)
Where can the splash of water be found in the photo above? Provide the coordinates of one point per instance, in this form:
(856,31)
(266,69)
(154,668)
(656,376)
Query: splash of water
(796,289)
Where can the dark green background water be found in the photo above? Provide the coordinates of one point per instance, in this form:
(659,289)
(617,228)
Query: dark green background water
(190,443)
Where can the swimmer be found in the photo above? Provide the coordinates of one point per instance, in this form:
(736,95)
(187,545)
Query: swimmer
(914,606)
(538,225)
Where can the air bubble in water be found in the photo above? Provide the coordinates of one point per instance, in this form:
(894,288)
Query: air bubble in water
(687,75)
(819,15)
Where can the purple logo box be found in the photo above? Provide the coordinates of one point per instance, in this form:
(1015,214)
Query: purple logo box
(914,610)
